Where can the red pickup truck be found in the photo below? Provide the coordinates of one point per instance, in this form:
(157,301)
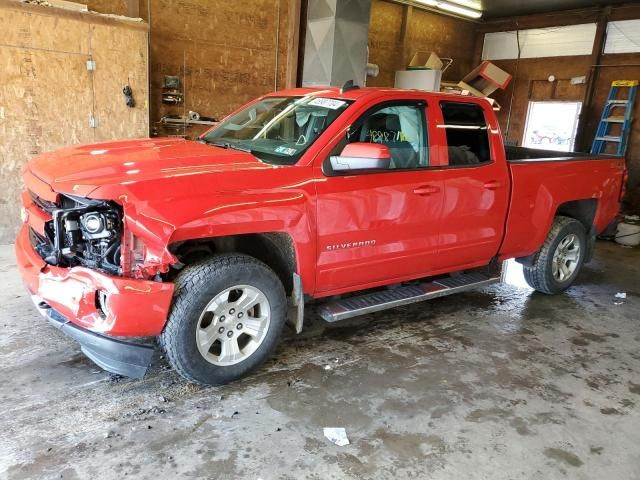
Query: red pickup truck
(366,198)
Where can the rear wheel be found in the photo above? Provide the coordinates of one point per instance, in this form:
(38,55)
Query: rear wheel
(227,315)
(555,267)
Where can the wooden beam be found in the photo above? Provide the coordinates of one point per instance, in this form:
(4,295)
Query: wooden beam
(293,42)
(586,113)
(133,8)
(559,18)
(477,51)
(405,32)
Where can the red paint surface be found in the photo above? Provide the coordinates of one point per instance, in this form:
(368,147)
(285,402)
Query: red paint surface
(350,232)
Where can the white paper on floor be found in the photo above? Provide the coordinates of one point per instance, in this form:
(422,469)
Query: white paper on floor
(336,435)
(621,295)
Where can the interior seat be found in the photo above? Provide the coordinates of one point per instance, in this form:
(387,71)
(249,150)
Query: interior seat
(386,129)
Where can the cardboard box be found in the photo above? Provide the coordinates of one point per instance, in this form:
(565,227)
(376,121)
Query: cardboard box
(428,80)
(425,61)
(485,79)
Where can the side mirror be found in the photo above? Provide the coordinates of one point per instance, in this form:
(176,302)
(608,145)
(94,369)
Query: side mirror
(362,156)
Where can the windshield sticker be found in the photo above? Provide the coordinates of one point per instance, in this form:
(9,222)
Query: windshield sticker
(327,103)
(286,150)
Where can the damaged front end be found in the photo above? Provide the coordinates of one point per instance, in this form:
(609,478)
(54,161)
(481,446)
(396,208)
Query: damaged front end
(87,274)
(82,232)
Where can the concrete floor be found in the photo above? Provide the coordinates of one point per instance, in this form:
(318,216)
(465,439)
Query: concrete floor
(495,384)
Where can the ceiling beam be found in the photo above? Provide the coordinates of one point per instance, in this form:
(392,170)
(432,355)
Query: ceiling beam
(559,18)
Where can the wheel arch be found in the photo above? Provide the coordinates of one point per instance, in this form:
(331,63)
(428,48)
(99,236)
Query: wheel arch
(275,249)
(584,211)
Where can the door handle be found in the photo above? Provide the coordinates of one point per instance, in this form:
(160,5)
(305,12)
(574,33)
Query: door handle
(426,190)
(493,185)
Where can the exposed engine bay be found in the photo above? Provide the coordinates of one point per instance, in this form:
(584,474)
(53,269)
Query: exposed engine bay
(82,232)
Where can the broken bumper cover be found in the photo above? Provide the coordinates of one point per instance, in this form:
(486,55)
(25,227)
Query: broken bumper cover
(114,355)
(92,300)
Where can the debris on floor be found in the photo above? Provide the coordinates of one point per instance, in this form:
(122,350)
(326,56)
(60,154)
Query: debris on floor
(621,296)
(336,435)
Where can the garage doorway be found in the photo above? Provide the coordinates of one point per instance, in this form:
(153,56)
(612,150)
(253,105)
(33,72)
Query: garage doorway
(552,125)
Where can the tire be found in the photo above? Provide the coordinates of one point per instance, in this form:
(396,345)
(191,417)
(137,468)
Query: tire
(541,273)
(205,293)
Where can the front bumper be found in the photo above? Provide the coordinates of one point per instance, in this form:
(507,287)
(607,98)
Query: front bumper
(114,355)
(136,308)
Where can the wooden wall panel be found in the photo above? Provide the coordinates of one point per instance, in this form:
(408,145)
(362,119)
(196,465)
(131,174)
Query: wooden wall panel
(47,95)
(447,36)
(531,84)
(385,41)
(426,31)
(115,7)
(121,58)
(605,77)
(620,67)
(224,52)
(537,70)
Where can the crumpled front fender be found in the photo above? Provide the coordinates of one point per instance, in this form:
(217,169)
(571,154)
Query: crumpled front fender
(144,224)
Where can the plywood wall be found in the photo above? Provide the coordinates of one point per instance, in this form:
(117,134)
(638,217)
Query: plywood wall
(531,84)
(116,7)
(47,95)
(614,67)
(618,71)
(447,36)
(426,31)
(226,53)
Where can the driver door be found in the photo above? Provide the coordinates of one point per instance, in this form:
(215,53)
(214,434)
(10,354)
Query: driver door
(379,226)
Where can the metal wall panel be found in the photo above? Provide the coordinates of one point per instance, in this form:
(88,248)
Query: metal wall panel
(336,42)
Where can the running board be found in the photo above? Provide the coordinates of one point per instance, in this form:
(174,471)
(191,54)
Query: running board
(396,297)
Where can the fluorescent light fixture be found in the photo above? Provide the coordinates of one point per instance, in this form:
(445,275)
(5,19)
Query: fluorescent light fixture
(467,12)
(456,7)
(472,4)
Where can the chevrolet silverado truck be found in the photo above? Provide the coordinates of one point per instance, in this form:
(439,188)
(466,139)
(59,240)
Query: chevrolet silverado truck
(360,198)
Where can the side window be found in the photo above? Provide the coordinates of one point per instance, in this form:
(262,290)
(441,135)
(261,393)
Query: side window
(400,127)
(467,133)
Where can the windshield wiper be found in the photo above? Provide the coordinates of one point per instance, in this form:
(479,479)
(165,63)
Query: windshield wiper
(214,144)
(225,145)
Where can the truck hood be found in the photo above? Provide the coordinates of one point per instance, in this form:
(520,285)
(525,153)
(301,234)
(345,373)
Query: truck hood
(84,168)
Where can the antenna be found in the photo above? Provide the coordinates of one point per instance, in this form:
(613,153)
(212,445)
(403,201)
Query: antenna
(349,85)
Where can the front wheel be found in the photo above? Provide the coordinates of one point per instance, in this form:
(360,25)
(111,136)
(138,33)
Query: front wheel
(555,267)
(227,315)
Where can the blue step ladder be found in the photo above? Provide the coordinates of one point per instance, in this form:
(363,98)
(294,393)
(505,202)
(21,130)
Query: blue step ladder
(603,134)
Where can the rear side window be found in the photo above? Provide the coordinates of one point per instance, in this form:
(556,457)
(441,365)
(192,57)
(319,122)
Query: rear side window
(467,133)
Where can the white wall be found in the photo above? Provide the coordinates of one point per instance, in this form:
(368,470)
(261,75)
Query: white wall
(540,42)
(623,37)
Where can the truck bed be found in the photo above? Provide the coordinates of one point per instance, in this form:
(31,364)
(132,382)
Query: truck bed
(523,154)
(542,183)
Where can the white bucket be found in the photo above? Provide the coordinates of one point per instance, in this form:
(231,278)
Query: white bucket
(628,234)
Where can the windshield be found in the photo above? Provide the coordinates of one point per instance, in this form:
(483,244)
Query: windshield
(277,129)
